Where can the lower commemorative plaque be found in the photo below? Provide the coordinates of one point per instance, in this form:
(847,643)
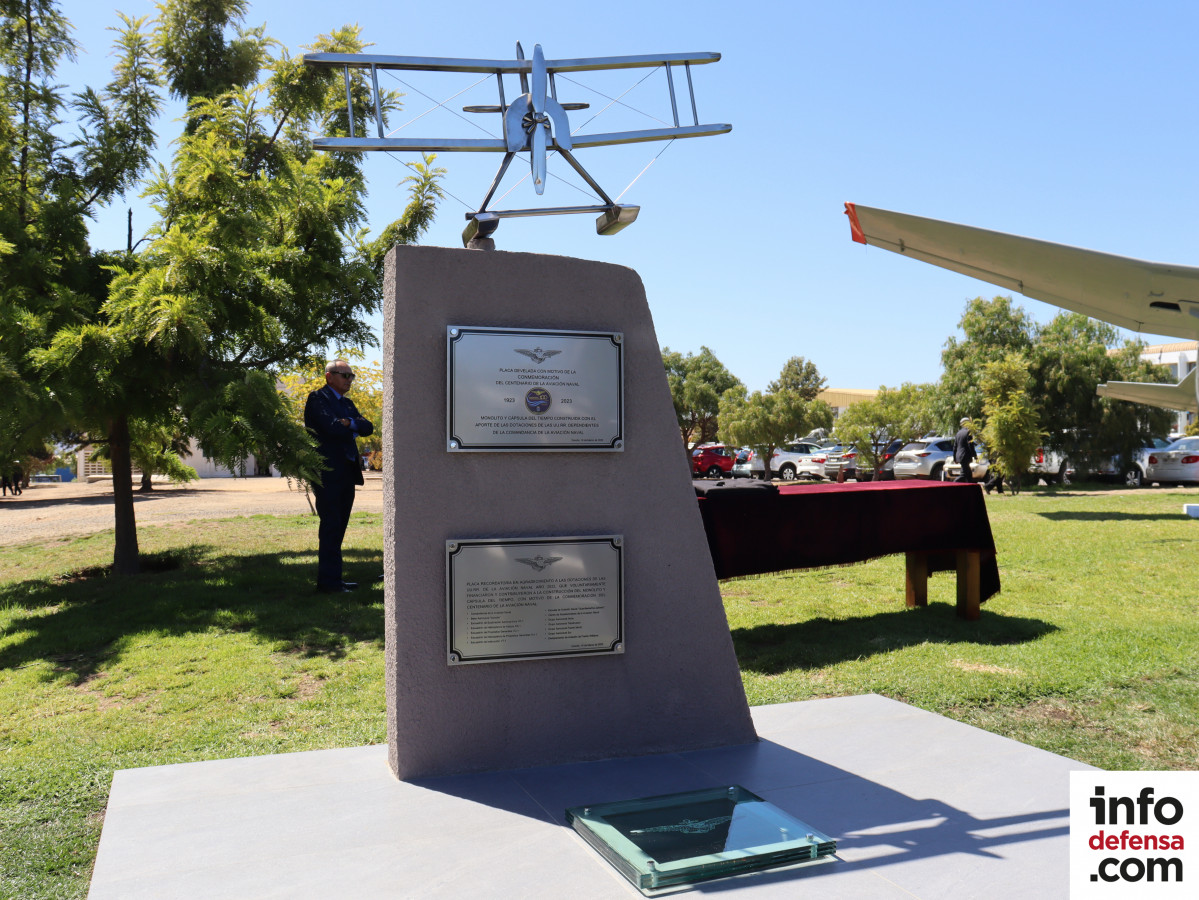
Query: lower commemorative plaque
(534,598)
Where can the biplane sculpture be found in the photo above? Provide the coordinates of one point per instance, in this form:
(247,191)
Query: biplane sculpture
(1141,296)
(534,122)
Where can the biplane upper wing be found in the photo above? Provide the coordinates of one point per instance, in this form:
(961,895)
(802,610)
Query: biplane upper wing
(505,66)
(1156,298)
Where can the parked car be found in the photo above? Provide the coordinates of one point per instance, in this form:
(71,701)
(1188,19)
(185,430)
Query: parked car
(802,459)
(1049,465)
(747,464)
(1176,463)
(712,460)
(885,453)
(1130,472)
(978,468)
(837,458)
(924,458)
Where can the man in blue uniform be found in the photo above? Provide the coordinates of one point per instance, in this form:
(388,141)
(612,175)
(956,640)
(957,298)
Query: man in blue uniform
(331,417)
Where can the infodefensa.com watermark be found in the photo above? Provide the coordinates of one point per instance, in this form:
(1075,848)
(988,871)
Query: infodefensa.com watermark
(1134,835)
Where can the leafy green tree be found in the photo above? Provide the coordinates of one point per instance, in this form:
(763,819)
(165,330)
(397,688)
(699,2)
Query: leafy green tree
(801,376)
(1012,431)
(1067,358)
(49,185)
(1071,355)
(992,329)
(258,263)
(768,420)
(697,382)
(902,413)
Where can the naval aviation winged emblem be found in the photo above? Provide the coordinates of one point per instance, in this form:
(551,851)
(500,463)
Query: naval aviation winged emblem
(538,355)
(539,563)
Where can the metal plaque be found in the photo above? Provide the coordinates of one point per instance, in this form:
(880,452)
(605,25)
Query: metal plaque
(533,389)
(534,598)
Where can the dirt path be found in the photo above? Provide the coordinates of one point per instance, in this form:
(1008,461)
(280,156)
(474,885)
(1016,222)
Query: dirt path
(47,511)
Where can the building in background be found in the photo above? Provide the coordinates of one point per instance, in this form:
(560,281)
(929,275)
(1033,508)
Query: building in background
(843,398)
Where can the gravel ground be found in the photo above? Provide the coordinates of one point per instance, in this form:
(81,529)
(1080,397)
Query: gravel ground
(47,511)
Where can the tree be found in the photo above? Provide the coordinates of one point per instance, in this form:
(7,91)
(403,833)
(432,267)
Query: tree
(992,328)
(799,375)
(1067,358)
(49,277)
(1071,355)
(902,413)
(258,263)
(764,421)
(1012,431)
(697,382)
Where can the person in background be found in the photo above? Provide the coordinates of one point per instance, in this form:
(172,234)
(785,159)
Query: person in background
(331,417)
(963,451)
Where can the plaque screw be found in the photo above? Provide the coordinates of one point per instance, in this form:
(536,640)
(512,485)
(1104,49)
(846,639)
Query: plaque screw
(453,332)
(618,337)
(619,445)
(453,445)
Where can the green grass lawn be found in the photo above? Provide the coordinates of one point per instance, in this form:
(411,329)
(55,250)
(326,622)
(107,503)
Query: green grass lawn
(222,649)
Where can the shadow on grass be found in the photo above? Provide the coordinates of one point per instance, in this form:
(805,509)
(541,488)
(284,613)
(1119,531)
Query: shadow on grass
(81,620)
(1095,516)
(771,649)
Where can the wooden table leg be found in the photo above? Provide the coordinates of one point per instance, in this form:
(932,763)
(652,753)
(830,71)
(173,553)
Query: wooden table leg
(969,593)
(916,579)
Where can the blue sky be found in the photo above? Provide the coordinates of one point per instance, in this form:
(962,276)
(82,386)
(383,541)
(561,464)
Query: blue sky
(1073,122)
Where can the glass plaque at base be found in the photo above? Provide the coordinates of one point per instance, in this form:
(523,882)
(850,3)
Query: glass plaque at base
(666,843)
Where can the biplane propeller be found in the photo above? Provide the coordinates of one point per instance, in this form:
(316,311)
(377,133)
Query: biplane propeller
(534,122)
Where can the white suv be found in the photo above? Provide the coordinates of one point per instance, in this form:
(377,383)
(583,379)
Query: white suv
(802,459)
(924,458)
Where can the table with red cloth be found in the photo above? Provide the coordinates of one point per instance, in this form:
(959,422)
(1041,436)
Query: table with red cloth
(939,526)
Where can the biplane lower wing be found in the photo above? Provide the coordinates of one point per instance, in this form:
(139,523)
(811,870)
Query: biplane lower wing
(1141,296)
(1184,395)
(498,145)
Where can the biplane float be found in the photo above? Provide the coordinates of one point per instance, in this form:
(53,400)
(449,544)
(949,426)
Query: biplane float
(534,122)
(1141,296)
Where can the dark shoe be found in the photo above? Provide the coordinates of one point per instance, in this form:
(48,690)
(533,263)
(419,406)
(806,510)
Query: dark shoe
(349,585)
(333,588)
(380,577)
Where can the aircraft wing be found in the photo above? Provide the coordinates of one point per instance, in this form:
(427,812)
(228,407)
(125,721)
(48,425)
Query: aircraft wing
(505,66)
(1141,296)
(1169,396)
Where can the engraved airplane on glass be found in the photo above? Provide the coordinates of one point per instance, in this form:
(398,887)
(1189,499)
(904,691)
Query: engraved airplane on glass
(688,826)
(534,122)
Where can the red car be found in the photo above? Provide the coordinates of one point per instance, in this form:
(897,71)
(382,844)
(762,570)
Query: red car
(713,460)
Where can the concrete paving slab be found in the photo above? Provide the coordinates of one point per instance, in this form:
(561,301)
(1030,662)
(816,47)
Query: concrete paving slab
(921,807)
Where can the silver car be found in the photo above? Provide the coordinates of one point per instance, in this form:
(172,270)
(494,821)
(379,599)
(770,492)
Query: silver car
(924,458)
(1177,463)
(802,459)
